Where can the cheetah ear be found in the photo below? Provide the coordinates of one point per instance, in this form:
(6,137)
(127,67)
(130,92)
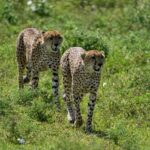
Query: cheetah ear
(103,54)
(83,56)
(43,32)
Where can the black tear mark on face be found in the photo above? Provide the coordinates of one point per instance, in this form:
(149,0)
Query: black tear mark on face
(93,57)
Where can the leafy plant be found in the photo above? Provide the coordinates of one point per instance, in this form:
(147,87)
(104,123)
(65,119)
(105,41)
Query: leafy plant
(41,111)
(40,7)
(87,40)
(8,13)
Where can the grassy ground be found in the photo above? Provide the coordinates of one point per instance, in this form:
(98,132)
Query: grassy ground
(122,114)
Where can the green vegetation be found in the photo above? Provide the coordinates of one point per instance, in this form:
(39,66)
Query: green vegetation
(122,115)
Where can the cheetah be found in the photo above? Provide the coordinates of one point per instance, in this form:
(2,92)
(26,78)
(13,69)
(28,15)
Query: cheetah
(81,74)
(37,51)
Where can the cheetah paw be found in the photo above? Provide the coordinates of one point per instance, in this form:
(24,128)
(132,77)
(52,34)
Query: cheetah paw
(77,124)
(88,129)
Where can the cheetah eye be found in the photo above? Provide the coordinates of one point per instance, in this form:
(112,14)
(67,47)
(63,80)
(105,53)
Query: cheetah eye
(50,38)
(93,57)
(59,37)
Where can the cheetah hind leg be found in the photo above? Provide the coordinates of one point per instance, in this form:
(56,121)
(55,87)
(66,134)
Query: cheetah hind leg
(67,91)
(67,97)
(20,76)
(70,115)
(27,77)
(70,109)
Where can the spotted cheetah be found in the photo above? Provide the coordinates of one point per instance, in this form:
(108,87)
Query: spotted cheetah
(37,51)
(81,74)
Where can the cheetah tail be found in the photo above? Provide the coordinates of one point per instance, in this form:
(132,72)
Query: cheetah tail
(20,49)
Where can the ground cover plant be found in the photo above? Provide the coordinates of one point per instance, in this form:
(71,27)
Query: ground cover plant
(28,120)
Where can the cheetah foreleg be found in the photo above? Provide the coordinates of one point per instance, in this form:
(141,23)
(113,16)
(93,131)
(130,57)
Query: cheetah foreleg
(91,105)
(70,110)
(55,88)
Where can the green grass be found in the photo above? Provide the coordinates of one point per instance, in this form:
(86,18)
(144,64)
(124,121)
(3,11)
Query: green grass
(122,114)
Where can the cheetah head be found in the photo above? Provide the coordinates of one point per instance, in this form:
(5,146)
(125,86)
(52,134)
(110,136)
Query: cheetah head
(93,60)
(52,40)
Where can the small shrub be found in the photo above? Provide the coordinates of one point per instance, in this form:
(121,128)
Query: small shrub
(139,15)
(8,13)
(122,136)
(26,96)
(18,126)
(87,40)
(5,106)
(41,111)
(40,7)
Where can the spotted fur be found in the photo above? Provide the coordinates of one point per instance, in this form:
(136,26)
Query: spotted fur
(37,51)
(81,74)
